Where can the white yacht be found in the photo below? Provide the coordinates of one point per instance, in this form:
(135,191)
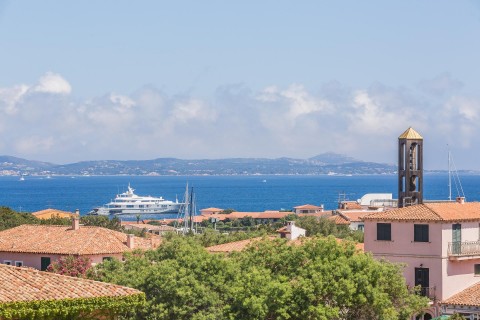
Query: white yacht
(132,204)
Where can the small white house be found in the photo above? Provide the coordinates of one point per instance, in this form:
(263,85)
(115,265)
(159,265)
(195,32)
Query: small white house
(291,231)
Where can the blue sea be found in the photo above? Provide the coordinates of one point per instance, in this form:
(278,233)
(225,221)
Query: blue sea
(242,193)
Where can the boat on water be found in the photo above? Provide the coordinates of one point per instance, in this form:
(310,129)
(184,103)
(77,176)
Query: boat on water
(128,203)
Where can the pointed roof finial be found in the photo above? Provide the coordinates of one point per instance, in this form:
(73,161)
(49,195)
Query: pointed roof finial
(410,133)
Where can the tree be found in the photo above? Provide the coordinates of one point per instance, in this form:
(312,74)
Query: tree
(74,266)
(271,279)
(457,316)
(227,211)
(102,221)
(10,218)
(56,220)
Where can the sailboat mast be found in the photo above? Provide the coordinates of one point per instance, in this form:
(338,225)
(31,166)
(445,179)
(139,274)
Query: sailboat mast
(190,212)
(449,178)
(185,211)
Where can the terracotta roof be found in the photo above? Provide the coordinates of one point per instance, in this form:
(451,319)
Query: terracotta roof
(283,230)
(467,297)
(317,214)
(351,205)
(65,240)
(439,211)
(25,284)
(410,134)
(307,206)
(355,216)
(149,227)
(211,209)
(49,213)
(338,219)
(232,246)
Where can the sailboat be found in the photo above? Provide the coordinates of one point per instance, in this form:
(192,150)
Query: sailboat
(185,221)
(456,179)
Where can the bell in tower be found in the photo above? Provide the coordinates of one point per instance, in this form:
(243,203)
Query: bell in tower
(410,168)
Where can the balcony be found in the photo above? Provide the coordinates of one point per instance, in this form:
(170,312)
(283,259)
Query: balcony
(428,292)
(463,250)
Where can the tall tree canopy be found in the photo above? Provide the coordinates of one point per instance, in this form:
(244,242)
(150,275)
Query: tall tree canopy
(272,279)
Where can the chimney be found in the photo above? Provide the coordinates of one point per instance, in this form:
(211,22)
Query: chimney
(75,223)
(130,241)
(461,200)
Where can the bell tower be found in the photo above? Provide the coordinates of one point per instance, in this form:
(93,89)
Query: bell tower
(410,168)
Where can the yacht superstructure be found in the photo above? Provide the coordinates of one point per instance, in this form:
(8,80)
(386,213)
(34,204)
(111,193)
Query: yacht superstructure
(128,203)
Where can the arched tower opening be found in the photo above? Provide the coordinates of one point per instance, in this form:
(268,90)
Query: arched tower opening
(410,168)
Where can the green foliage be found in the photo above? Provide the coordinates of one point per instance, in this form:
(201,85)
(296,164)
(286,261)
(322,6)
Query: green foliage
(210,237)
(457,316)
(272,279)
(325,227)
(85,308)
(74,266)
(10,218)
(56,220)
(227,211)
(102,221)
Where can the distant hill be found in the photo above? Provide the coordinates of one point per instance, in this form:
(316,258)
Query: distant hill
(327,163)
(17,166)
(333,158)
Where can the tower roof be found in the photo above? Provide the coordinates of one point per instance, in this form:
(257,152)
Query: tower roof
(410,134)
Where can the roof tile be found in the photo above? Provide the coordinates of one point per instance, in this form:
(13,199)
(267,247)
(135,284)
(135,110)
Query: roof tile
(435,211)
(467,297)
(65,240)
(25,284)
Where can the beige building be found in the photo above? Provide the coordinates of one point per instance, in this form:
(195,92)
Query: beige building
(54,213)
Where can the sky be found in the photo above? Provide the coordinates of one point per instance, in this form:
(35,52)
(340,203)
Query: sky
(135,80)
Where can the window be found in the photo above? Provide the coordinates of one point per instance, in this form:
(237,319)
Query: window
(18,263)
(44,263)
(476,269)
(384,231)
(107,259)
(7,262)
(420,232)
(361,226)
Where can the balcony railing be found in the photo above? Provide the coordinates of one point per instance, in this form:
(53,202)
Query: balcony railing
(428,292)
(460,249)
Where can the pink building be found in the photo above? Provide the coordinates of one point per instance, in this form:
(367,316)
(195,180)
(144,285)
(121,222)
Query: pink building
(36,246)
(439,243)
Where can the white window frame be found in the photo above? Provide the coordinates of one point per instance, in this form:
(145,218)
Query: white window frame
(18,263)
(9,262)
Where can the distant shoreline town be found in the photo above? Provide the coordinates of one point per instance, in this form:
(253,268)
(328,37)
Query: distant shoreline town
(324,164)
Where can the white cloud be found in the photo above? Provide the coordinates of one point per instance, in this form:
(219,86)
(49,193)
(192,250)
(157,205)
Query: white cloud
(370,116)
(236,121)
(34,144)
(440,85)
(53,83)
(192,109)
(9,97)
(466,107)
